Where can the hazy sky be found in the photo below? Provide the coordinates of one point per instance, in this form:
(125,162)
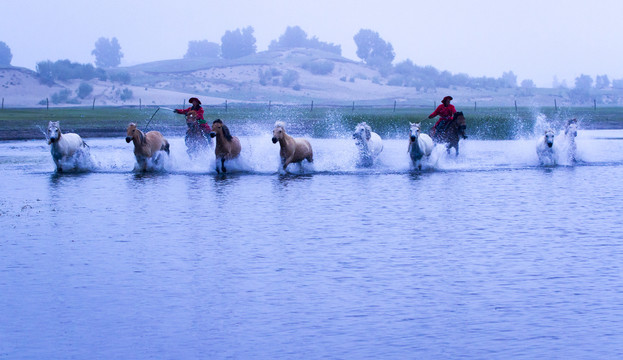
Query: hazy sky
(536,39)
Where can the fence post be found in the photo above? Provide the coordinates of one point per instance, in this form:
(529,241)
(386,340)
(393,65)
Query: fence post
(594,104)
(353,107)
(312,106)
(93,107)
(394,105)
(47,104)
(515,105)
(555,105)
(140,104)
(225,105)
(269,105)
(2,103)
(474,106)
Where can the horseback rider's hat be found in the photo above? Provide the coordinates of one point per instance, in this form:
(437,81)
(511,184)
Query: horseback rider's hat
(446,98)
(194,98)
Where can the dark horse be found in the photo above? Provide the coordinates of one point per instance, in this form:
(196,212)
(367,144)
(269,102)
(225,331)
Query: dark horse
(450,134)
(196,140)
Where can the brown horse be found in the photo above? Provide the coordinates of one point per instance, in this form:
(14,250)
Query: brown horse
(450,134)
(227,146)
(196,140)
(292,150)
(146,146)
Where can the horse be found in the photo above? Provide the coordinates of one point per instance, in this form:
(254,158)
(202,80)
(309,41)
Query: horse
(450,135)
(227,146)
(369,144)
(65,148)
(545,148)
(291,150)
(571,132)
(146,146)
(420,145)
(196,141)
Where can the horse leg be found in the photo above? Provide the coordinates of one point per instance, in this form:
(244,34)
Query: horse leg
(457,148)
(223,164)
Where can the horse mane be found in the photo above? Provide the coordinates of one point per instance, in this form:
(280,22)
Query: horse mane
(226,133)
(280,124)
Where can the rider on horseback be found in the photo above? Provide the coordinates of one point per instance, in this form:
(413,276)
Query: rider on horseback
(445,112)
(198,110)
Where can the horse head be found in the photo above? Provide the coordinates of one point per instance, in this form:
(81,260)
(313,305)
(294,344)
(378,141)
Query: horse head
(218,128)
(363,132)
(549,138)
(54,132)
(278,131)
(460,120)
(414,131)
(571,128)
(134,132)
(191,117)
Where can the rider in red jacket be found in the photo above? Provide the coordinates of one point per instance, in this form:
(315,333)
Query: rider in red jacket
(445,111)
(197,108)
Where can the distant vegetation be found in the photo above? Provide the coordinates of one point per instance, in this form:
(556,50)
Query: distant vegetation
(107,53)
(237,43)
(5,54)
(295,37)
(64,70)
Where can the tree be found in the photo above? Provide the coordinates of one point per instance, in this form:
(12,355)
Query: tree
(295,37)
(602,82)
(202,49)
(5,54)
(84,90)
(509,79)
(235,44)
(107,53)
(583,82)
(372,49)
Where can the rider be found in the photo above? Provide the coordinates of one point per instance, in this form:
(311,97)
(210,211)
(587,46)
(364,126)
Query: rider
(203,125)
(445,111)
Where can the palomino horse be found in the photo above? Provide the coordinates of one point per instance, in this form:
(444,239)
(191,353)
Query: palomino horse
(196,141)
(146,146)
(545,148)
(453,130)
(292,150)
(420,145)
(65,148)
(368,142)
(227,146)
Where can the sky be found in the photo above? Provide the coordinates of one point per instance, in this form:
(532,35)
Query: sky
(536,39)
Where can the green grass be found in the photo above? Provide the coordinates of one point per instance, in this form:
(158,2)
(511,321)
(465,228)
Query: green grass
(484,123)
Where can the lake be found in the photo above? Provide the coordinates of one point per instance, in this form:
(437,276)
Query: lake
(484,255)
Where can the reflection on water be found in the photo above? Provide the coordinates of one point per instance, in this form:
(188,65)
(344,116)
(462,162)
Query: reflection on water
(463,260)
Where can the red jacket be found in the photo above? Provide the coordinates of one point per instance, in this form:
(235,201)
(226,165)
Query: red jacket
(444,112)
(199,111)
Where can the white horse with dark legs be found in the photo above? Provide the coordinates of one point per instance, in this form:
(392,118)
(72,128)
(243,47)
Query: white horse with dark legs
(571,132)
(545,148)
(67,149)
(369,144)
(420,145)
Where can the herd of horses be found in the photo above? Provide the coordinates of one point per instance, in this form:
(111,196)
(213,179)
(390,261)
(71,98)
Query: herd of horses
(150,147)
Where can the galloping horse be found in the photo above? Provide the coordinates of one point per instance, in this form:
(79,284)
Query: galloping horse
(195,139)
(292,150)
(420,145)
(227,146)
(368,142)
(65,147)
(146,146)
(454,129)
(571,131)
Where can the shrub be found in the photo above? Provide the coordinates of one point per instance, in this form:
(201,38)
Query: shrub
(84,90)
(289,78)
(125,94)
(121,77)
(319,67)
(61,96)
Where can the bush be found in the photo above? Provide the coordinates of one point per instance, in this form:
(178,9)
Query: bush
(289,78)
(5,54)
(125,94)
(121,77)
(84,90)
(61,96)
(319,67)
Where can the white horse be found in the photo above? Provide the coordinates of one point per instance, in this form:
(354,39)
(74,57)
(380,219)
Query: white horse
(571,132)
(420,145)
(369,143)
(67,149)
(545,148)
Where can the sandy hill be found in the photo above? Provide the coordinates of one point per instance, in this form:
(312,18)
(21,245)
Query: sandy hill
(293,76)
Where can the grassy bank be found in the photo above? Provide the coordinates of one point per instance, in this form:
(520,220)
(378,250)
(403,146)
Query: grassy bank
(483,123)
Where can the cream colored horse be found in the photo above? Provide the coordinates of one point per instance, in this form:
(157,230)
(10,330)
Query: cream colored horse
(66,148)
(227,146)
(146,146)
(292,150)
